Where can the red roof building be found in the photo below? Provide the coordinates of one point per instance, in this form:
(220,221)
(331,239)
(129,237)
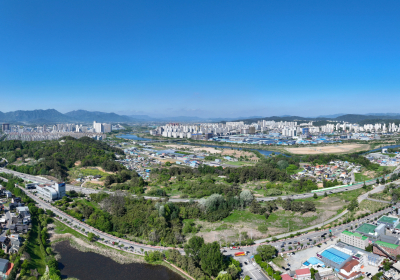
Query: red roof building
(303,273)
(286,277)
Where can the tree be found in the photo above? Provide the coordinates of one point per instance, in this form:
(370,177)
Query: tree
(91,236)
(211,259)
(315,195)
(353,205)
(377,181)
(267,252)
(192,249)
(282,164)
(383,181)
(246,196)
(224,276)
(247,277)
(325,194)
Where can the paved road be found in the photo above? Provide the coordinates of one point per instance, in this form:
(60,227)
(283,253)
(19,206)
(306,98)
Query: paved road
(38,179)
(302,239)
(74,222)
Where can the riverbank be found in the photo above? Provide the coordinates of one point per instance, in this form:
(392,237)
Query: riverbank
(60,232)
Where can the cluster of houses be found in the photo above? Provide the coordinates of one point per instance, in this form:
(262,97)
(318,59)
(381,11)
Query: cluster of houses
(335,170)
(147,157)
(384,159)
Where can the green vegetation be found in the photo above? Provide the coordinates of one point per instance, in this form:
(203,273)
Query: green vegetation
(359,177)
(204,260)
(57,157)
(36,252)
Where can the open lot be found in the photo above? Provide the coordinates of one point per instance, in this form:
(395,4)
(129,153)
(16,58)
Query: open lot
(280,221)
(331,149)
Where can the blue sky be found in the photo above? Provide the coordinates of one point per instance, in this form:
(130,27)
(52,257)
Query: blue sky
(201,58)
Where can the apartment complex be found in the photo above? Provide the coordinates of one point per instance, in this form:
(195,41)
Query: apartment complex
(101,127)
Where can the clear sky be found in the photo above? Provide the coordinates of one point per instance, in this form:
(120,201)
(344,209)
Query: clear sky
(201,58)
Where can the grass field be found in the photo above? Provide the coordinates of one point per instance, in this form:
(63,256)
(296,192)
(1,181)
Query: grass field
(33,249)
(243,216)
(381,196)
(360,177)
(350,195)
(60,228)
(81,172)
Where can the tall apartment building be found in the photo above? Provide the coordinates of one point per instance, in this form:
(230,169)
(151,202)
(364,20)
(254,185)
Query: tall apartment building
(101,127)
(5,127)
(354,239)
(97,127)
(107,127)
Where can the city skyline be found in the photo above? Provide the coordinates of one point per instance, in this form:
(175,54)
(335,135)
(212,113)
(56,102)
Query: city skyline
(225,59)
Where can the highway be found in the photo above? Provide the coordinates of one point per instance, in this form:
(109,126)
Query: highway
(41,180)
(309,235)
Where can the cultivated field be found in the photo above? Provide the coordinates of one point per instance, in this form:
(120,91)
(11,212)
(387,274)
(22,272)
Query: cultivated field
(331,149)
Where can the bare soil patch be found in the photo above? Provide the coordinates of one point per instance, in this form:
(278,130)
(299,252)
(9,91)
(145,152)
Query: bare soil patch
(331,149)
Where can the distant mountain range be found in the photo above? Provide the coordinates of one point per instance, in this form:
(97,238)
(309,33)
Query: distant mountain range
(351,118)
(83,116)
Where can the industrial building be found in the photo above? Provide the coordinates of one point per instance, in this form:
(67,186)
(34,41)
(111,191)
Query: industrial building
(384,248)
(52,191)
(334,257)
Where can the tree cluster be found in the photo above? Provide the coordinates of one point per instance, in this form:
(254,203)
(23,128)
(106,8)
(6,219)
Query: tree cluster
(298,206)
(57,156)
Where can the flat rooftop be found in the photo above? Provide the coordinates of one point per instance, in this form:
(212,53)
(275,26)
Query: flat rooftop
(367,229)
(388,220)
(335,255)
(355,234)
(386,244)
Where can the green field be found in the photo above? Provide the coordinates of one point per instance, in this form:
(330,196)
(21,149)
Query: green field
(360,177)
(288,219)
(60,228)
(243,216)
(81,172)
(33,249)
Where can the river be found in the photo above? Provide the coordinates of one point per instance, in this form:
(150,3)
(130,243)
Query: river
(92,266)
(133,137)
(263,152)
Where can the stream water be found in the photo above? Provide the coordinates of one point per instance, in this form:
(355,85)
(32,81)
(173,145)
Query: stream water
(92,266)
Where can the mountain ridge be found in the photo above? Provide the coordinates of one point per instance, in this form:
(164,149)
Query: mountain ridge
(84,116)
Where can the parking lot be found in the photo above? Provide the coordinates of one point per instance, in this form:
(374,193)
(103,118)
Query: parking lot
(300,257)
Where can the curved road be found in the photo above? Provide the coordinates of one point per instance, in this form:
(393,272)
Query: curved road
(303,238)
(37,179)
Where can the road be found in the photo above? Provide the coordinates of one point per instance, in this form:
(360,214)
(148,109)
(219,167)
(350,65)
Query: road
(248,269)
(37,179)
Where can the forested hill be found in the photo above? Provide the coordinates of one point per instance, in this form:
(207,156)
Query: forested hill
(56,157)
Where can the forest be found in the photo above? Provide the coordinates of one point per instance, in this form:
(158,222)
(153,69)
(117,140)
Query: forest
(163,221)
(56,157)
